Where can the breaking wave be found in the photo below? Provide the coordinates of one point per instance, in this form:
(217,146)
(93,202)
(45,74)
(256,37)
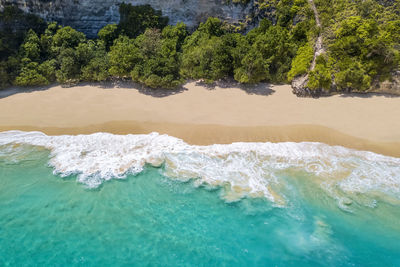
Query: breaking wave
(243,169)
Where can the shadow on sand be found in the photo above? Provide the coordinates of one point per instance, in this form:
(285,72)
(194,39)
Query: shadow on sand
(17,90)
(368,95)
(126,84)
(104,85)
(257,89)
(262,89)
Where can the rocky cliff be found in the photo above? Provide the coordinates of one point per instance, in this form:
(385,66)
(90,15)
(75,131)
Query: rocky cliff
(89,16)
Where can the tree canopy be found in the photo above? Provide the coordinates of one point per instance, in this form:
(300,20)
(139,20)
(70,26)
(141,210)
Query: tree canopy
(361,40)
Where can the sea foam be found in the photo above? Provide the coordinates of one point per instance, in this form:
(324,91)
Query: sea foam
(243,169)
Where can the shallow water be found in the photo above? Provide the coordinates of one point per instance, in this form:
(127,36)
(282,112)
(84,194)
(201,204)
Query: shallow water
(184,212)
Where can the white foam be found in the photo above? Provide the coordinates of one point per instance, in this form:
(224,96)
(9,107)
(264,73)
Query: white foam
(245,169)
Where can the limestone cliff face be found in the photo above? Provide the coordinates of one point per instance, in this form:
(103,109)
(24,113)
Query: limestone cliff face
(89,16)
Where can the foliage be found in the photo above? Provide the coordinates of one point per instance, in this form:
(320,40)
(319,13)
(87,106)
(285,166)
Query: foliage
(160,57)
(14,25)
(29,75)
(143,48)
(66,37)
(321,76)
(361,39)
(108,34)
(206,52)
(123,56)
(136,19)
(8,71)
(95,69)
(265,54)
(302,62)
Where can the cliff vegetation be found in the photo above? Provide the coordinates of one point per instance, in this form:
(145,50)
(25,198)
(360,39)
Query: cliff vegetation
(361,41)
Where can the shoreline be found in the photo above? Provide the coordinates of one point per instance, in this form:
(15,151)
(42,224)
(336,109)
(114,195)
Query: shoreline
(217,134)
(203,116)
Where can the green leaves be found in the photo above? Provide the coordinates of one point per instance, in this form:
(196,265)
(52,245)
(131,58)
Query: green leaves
(321,76)
(253,69)
(123,56)
(31,46)
(136,19)
(153,58)
(363,50)
(29,75)
(302,62)
(67,37)
(160,56)
(263,55)
(209,60)
(362,39)
(108,34)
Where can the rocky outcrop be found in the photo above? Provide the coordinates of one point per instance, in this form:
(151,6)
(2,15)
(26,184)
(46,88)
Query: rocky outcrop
(391,87)
(89,16)
(299,84)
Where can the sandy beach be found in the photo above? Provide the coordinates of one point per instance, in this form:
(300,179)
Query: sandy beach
(200,115)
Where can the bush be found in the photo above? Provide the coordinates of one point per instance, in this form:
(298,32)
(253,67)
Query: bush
(69,68)
(48,70)
(108,34)
(352,75)
(302,62)
(134,20)
(321,76)
(65,38)
(160,57)
(30,76)
(123,56)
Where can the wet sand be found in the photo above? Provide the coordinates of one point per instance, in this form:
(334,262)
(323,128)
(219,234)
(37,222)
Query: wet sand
(201,115)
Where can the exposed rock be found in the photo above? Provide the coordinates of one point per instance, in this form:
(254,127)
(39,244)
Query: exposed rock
(89,16)
(299,84)
(388,87)
(299,87)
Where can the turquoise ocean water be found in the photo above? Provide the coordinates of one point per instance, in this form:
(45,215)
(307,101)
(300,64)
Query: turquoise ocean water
(151,200)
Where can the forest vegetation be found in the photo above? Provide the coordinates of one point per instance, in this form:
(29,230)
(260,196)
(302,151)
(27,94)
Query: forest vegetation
(361,40)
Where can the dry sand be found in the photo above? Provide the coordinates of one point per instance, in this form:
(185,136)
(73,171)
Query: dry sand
(204,116)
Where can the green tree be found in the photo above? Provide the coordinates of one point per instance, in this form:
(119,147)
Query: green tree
(65,38)
(302,62)
(269,56)
(48,70)
(108,34)
(321,76)
(46,40)
(96,67)
(352,75)
(29,75)
(14,24)
(206,53)
(362,39)
(159,57)
(31,47)
(8,71)
(69,67)
(209,60)
(254,68)
(134,20)
(123,56)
